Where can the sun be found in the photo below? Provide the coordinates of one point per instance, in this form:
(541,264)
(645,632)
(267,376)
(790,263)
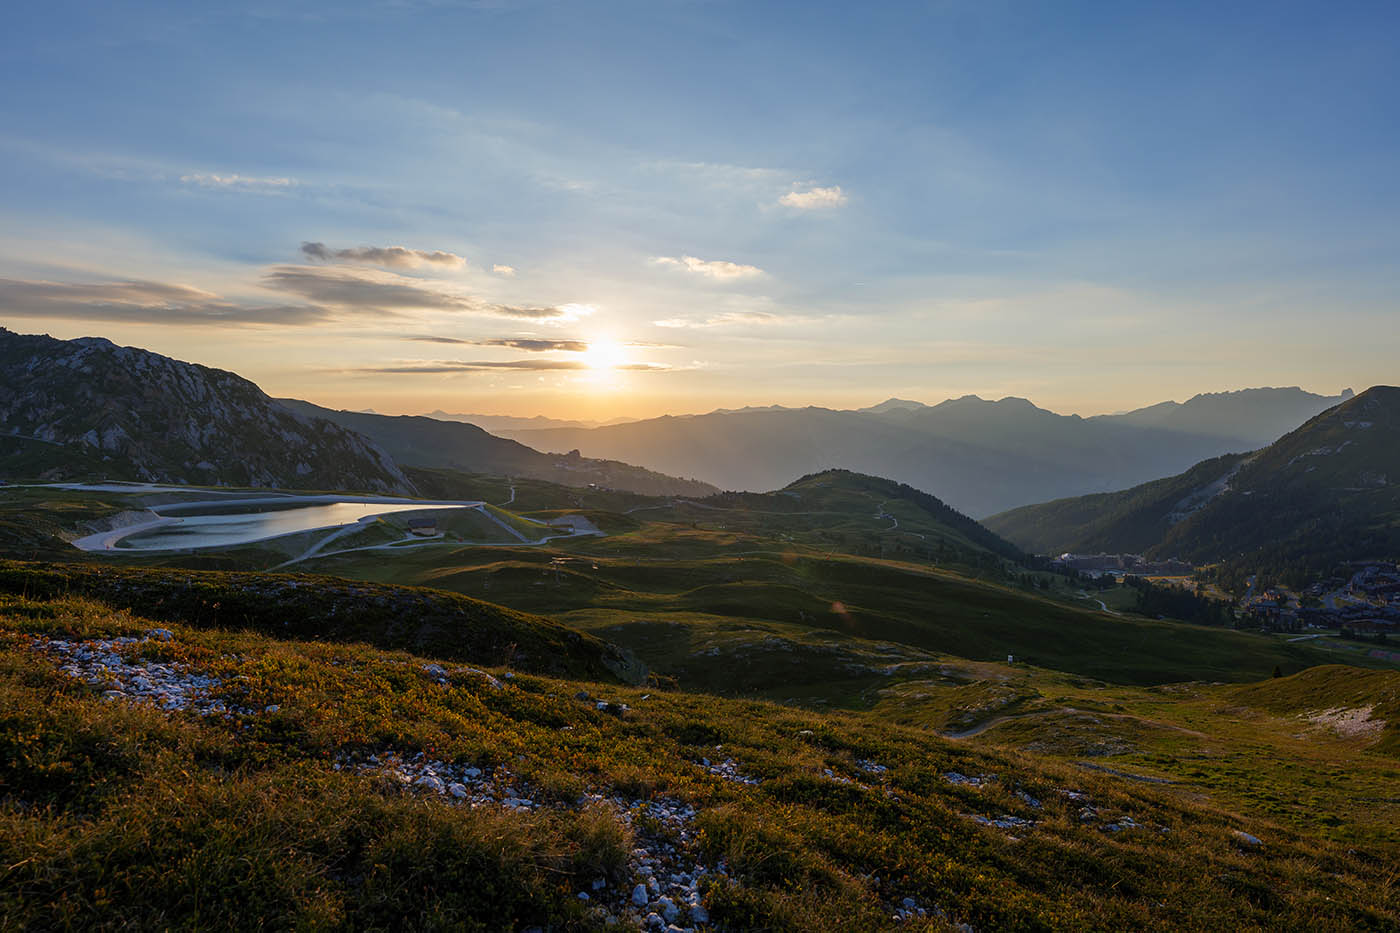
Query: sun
(603,354)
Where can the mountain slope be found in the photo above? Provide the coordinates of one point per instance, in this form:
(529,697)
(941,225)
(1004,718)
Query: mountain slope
(1327,492)
(418,441)
(152,418)
(1131,520)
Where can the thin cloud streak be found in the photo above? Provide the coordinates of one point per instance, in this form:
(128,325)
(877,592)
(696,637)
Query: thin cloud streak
(143,302)
(386,292)
(710,268)
(438,367)
(531,344)
(724,319)
(235,182)
(394,257)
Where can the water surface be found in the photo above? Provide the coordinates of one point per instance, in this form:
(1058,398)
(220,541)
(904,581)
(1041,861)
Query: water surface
(198,531)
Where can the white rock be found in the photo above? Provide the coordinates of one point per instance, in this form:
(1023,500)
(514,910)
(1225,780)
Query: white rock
(457,790)
(639,895)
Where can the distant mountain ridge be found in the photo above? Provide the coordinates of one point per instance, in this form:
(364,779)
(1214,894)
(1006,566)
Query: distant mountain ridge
(419,441)
(1324,493)
(978,455)
(134,414)
(1255,417)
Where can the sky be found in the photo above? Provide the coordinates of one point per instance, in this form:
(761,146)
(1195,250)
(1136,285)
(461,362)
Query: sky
(618,209)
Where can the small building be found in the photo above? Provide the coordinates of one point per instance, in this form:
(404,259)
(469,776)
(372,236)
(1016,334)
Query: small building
(423,527)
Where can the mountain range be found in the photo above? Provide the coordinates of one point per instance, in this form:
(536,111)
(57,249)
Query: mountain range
(419,441)
(87,408)
(980,456)
(1326,492)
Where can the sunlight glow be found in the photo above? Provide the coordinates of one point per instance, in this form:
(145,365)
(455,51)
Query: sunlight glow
(604,354)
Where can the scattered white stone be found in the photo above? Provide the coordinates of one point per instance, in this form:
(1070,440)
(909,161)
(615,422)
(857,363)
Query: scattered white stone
(1005,821)
(729,770)
(666,874)
(167,685)
(981,780)
(1246,839)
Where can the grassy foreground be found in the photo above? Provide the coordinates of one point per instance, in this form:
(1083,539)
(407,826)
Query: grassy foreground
(114,813)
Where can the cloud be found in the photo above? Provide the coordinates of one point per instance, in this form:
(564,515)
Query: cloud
(531,344)
(712,268)
(250,183)
(142,302)
(438,367)
(814,199)
(725,318)
(386,293)
(395,257)
(504,271)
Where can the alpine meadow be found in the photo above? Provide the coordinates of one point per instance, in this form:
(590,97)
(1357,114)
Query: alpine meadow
(700,467)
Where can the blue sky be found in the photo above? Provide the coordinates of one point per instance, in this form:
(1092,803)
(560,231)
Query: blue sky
(1094,205)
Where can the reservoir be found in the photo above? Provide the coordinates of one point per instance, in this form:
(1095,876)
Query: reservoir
(227,524)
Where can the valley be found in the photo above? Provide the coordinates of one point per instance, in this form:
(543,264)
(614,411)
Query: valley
(841,703)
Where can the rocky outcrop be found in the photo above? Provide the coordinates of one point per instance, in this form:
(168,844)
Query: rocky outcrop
(161,420)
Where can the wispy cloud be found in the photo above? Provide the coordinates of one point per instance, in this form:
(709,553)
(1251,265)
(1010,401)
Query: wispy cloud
(396,257)
(438,367)
(387,292)
(725,318)
(814,199)
(234,182)
(504,271)
(531,344)
(142,302)
(710,268)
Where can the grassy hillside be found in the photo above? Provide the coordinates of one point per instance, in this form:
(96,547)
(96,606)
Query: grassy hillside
(319,608)
(625,589)
(1315,749)
(287,784)
(1371,698)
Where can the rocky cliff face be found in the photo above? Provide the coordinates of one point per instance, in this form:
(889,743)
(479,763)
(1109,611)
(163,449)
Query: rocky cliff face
(162,420)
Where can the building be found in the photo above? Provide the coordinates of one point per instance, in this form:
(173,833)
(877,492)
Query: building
(423,527)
